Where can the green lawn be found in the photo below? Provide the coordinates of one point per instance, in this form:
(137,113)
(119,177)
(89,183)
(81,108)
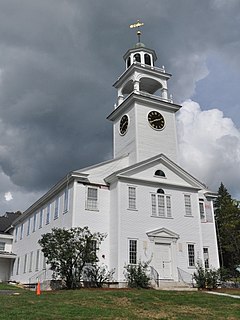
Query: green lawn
(117,304)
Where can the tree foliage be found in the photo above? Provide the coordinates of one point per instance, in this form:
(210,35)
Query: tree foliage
(68,251)
(206,278)
(136,275)
(227,216)
(96,275)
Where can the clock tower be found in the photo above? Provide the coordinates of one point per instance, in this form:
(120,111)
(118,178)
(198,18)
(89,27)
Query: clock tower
(144,115)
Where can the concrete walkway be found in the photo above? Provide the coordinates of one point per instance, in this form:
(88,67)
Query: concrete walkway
(224,294)
(9,292)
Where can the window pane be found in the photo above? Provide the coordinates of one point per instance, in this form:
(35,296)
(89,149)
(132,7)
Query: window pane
(201,209)
(92,198)
(133,251)
(191,255)
(132,197)
(206,257)
(161,206)
(154,205)
(169,211)
(188,208)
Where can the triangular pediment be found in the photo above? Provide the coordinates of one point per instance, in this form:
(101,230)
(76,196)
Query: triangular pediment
(162,233)
(145,172)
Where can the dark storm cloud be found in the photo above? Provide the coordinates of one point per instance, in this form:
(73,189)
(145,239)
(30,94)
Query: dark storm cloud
(58,60)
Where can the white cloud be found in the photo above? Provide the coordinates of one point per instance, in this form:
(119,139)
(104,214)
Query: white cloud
(8,196)
(209,146)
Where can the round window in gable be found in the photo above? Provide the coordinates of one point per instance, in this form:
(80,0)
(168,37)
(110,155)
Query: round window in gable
(160,173)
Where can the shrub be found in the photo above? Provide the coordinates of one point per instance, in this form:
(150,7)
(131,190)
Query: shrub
(206,278)
(136,275)
(96,275)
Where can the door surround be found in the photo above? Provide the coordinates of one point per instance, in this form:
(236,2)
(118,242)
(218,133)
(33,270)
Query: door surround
(165,236)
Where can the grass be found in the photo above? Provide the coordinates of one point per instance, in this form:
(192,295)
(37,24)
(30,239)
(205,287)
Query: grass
(117,304)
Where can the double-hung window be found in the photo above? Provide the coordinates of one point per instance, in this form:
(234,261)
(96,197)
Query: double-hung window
(34,222)
(31,261)
(21,231)
(40,218)
(28,227)
(25,264)
(191,255)
(132,250)
(206,257)
(92,199)
(188,206)
(2,246)
(37,260)
(56,209)
(66,200)
(16,234)
(161,204)
(202,210)
(132,198)
(48,214)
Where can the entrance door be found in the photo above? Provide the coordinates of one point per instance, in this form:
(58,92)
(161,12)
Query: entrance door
(163,260)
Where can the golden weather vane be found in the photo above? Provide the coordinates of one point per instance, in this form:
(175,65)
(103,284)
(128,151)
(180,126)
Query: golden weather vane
(138,24)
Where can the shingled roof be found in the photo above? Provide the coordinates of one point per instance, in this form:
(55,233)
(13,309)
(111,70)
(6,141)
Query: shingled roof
(7,219)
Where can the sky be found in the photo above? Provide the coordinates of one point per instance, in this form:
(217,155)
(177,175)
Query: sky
(59,59)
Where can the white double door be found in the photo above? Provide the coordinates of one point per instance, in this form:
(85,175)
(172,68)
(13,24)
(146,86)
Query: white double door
(163,260)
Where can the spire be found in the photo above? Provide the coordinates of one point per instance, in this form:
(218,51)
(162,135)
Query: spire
(137,25)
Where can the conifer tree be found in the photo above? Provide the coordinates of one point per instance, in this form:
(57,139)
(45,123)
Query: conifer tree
(227,216)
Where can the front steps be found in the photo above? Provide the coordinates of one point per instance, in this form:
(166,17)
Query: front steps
(174,285)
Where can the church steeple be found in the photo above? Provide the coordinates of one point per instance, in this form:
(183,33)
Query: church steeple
(144,115)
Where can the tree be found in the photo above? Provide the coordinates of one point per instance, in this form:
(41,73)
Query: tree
(68,251)
(227,216)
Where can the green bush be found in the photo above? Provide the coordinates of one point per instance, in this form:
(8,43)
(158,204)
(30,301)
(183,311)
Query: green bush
(206,278)
(96,276)
(136,275)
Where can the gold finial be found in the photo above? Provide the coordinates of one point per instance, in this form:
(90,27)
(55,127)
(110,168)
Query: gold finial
(138,24)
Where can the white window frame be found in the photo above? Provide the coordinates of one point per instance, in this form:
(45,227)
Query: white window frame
(56,208)
(25,264)
(132,254)
(132,198)
(21,231)
(37,260)
(2,246)
(66,200)
(44,264)
(206,257)
(161,205)
(16,234)
(40,218)
(18,266)
(202,210)
(188,205)
(48,213)
(92,201)
(28,227)
(34,222)
(31,261)
(191,255)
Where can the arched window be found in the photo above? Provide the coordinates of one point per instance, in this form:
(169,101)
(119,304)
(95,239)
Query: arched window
(160,173)
(147,59)
(128,62)
(137,57)
(160,191)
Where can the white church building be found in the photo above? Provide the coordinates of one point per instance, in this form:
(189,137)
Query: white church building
(150,208)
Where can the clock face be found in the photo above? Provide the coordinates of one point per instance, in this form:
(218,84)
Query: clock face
(123,124)
(156,120)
